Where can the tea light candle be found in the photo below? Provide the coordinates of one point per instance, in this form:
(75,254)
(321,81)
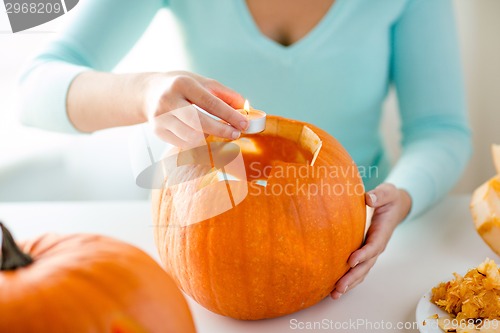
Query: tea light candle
(256,119)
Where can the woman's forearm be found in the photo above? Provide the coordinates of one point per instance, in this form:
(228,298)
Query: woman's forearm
(99,100)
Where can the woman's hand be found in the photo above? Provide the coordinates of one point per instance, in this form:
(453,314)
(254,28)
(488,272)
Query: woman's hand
(168,107)
(391,206)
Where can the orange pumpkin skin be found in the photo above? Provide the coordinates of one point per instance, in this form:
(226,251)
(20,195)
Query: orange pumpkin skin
(273,254)
(90,283)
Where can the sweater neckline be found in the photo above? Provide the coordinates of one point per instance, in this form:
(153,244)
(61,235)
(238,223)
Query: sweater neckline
(271,45)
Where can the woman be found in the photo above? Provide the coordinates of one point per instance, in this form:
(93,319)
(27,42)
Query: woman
(326,62)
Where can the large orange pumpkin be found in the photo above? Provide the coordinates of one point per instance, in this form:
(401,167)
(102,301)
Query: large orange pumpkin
(283,246)
(86,283)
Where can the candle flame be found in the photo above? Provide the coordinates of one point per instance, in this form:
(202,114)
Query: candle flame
(246,106)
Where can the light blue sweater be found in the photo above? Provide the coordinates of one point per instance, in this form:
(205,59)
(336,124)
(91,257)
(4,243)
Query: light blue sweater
(336,77)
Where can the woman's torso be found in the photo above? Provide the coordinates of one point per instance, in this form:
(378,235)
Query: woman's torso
(335,74)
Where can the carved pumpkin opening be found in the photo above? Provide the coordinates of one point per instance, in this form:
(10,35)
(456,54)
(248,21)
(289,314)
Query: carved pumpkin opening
(286,142)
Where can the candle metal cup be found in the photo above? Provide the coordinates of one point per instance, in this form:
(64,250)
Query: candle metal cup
(256,120)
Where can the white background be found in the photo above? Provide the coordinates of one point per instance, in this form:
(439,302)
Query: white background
(36,165)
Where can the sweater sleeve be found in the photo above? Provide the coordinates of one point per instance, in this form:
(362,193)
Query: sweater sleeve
(99,35)
(426,72)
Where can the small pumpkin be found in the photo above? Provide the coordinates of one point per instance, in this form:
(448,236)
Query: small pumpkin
(485,207)
(86,283)
(285,245)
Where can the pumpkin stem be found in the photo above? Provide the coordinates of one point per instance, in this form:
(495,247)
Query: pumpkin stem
(12,257)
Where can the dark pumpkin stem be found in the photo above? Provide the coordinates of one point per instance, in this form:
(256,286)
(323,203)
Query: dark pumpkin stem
(12,256)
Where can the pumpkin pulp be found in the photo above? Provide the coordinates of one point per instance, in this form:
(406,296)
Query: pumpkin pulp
(291,144)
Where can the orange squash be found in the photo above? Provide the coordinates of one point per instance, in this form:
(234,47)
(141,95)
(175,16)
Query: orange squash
(283,246)
(86,283)
(485,207)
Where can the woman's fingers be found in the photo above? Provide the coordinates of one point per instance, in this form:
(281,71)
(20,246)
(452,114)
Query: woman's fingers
(203,123)
(183,131)
(354,277)
(377,237)
(189,126)
(362,260)
(173,128)
(195,93)
(190,132)
(177,121)
(226,94)
(381,195)
(167,136)
(217,128)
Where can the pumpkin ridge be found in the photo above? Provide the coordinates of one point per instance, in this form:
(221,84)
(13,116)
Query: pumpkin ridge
(185,242)
(157,213)
(272,268)
(209,272)
(44,245)
(304,281)
(165,229)
(244,258)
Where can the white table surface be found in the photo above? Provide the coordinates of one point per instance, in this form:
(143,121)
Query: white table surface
(421,253)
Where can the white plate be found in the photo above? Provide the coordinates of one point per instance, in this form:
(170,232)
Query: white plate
(425,310)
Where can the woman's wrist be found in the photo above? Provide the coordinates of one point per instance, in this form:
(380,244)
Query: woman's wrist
(405,203)
(151,86)
(137,85)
